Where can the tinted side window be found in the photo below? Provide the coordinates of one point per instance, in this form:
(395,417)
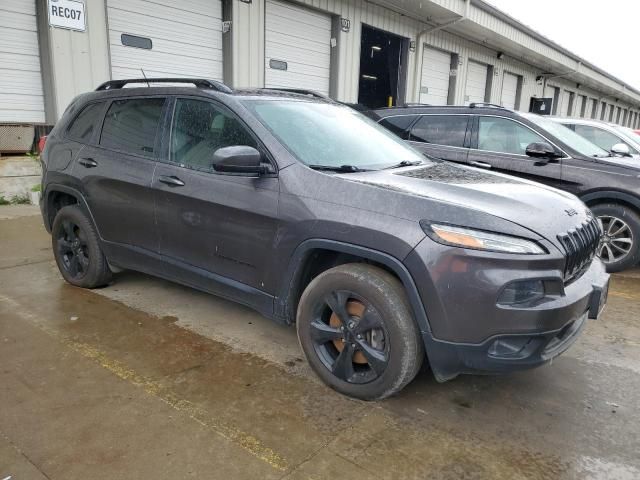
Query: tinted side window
(199,129)
(131,125)
(441,129)
(398,125)
(82,127)
(505,136)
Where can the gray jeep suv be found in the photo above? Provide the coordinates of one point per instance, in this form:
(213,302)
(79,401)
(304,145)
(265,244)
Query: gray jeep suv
(312,214)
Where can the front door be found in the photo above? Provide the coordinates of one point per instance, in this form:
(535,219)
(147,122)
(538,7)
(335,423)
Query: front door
(500,144)
(216,230)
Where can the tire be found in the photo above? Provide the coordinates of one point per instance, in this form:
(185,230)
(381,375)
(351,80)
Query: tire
(622,232)
(374,305)
(77,250)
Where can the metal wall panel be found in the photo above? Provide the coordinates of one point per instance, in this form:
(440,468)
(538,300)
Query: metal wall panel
(186,36)
(297,47)
(21,92)
(434,83)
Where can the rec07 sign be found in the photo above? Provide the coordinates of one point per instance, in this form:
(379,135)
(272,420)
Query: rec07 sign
(67,14)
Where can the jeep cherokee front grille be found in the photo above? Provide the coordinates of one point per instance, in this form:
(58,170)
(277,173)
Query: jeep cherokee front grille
(580,245)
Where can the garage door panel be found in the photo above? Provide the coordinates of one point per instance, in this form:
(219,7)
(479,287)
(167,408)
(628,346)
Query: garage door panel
(302,56)
(476,84)
(303,16)
(167,47)
(186,38)
(29,46)
(434,83)
(165,29)
(21,94)
(509,90)
(164,9)
(315,34)
(300,37)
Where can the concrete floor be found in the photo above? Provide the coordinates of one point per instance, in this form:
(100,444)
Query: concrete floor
(146,379)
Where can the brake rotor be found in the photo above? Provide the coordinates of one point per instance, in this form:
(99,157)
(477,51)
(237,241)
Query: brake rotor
(355,309)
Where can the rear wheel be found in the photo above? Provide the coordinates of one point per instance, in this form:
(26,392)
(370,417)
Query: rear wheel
(355,327)
(620,248)
(77,250)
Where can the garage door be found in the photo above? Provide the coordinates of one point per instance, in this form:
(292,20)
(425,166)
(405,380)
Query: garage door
(297,47)
(21,96)
(434,85)
(509,90)
(165,38)
(565,103)
(476,83)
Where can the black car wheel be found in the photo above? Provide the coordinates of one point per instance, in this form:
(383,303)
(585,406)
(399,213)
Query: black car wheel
(620,247)
(356,329)
(76,249)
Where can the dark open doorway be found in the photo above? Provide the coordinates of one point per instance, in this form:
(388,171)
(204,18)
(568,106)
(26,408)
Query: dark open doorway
(382,68)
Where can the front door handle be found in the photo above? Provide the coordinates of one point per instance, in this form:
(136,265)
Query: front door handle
(480,164)
(88,162)
(171,181)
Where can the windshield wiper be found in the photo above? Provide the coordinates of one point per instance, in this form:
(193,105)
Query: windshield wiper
(338,168)
(405,163)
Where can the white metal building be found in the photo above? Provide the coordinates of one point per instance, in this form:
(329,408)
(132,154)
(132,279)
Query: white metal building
(437,52)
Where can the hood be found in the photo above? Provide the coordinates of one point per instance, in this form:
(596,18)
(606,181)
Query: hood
(543,210)
(628,162)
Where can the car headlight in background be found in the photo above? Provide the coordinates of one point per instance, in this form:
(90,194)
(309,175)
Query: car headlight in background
(480,240)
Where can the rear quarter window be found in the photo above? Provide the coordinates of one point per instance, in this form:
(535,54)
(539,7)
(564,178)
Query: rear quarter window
(131,125)
(86,122)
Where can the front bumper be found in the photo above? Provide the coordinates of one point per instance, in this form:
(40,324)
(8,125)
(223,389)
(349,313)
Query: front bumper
(470,333)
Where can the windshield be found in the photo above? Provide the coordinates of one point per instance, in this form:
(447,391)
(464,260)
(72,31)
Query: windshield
(322,134)
(627,133)
(568,137)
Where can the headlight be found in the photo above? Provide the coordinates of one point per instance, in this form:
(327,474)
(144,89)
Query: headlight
(480,240)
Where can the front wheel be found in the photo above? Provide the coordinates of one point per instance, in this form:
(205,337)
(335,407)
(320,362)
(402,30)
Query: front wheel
(620,247)
(356,329)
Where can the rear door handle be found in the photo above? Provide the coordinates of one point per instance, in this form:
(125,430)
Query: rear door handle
(171,181)
(88,162)
(480,164)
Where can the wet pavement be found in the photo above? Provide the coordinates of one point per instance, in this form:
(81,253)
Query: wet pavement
(147,379)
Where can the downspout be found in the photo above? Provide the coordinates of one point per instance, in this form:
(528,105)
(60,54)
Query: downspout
(423,33)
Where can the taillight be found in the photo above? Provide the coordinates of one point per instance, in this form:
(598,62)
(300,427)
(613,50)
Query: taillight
(41,143)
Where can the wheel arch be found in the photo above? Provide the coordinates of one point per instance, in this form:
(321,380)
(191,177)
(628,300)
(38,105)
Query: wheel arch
(297,275)
(57,196)
(611,196)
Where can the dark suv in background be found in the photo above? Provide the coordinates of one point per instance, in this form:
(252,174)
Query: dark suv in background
(536,148)
(248,195)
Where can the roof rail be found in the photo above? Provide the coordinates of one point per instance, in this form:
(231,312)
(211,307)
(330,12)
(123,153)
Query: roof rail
(489,105)
(416,104)
(300,91)
(198,82)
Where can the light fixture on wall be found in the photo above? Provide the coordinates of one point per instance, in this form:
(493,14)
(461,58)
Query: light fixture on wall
(369,77)
(500,55)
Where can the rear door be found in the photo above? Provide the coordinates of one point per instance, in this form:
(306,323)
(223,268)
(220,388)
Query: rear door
(116,172)
(499,143)
(442,136)
(216,229)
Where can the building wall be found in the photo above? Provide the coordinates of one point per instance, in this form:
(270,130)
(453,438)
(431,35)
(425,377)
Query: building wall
(73,62)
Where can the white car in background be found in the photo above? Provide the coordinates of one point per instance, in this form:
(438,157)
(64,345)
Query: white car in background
(620,141)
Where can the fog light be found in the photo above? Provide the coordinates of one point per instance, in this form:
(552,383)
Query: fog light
(521,292)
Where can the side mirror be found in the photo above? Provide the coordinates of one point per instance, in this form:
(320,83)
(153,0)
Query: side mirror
(621,149)
(239,159)
(541,151)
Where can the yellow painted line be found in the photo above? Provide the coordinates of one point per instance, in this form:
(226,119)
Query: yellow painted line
(152,387)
